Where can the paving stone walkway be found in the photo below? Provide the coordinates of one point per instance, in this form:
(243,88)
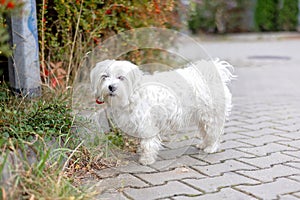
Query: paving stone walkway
(259,156)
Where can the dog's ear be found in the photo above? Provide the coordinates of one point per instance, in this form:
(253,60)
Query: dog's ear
(96,72)
(134,74)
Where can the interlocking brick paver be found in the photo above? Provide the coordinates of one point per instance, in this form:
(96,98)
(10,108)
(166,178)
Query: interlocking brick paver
(176,174)
(175,153)
(293,164)
(295,177)
(292,120)
(163,165)
(262,125)
(288,197)
(233,136)
(293,143)
(267,175)
(297,194)
(134,168)
(259,141)
(233,144)
(266,149)
(239,117)
(220,168)
(259,156)
(222,156)
(259,119)
(235,129)
(273,189)
(121,181)
(290,135)
(262,132)
(232,123)
(292,153)
(182,143)
(223,194)
(170,189)
(289,128)
(109,195)
(107,173)
(212,184)
(268,161)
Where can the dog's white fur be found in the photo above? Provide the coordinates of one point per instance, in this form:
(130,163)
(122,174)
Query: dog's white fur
(146,106)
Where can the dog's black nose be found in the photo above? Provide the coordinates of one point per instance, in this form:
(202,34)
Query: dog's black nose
(112,88)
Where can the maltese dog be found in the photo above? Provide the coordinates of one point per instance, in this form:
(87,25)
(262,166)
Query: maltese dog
(147,106)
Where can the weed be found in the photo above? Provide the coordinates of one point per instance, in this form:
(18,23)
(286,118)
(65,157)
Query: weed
(37,145)
(69,29)
(43,157)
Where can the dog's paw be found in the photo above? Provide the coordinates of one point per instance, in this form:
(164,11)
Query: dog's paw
(211,148)
(146,160)
(208,148)
(201,145)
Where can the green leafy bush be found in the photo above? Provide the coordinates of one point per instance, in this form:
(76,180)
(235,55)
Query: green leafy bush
(288,15)
(39,134)
(217,16)
(6,7)
(68,29)
(275,15)
(266,15)
(23,119)
(236,16)
(35,144)
(201,18)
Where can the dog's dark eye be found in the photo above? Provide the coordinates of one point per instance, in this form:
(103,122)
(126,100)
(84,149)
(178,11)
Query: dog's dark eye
(104,76)
(121,78)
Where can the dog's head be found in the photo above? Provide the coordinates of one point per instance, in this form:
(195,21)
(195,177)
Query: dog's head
(113,81)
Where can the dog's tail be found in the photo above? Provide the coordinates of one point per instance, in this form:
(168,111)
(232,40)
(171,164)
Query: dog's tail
(225,70)
(226,74)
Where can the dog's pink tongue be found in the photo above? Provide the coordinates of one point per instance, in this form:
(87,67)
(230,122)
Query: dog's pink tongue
(99,102)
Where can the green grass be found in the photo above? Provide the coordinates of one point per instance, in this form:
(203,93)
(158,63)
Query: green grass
(25,119)
(43,152)
(37,147)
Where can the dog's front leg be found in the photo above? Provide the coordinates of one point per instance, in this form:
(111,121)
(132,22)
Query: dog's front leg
(149,150)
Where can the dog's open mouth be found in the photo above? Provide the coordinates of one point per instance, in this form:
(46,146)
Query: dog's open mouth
(99,101)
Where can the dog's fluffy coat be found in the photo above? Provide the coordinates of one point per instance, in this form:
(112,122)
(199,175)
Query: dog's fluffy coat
(146,106)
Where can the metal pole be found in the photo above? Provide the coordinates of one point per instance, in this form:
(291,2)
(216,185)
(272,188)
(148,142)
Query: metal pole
(24,68)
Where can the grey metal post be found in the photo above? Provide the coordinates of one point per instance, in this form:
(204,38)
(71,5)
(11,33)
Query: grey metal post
(24,68)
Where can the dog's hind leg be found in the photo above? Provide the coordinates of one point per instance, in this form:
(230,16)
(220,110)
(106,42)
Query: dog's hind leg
(149,150)
(211,133)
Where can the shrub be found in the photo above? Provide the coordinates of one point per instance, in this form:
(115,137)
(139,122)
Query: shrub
(68,29)
(217,16)
(202,17)
(42,155)
(236,16)
(6,8)
(266,15)
(35,137)
(288,15)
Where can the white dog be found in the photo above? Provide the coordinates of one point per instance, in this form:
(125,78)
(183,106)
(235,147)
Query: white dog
(146,106)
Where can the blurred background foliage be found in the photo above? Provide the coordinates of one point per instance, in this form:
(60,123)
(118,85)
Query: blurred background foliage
(215,16)
(276,15)
(6,7)
(231,16)
(68,29)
